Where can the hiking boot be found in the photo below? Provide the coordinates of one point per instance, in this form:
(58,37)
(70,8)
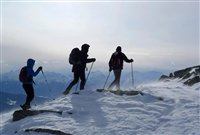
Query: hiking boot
(28,107)
(25,107)
(65,92)
(75,93)
(119,92)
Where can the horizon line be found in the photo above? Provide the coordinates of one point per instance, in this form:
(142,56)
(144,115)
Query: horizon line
(109,1)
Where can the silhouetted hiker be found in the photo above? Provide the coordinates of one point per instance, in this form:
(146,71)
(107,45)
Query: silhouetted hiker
(26,77)
(116,64)
(79,65)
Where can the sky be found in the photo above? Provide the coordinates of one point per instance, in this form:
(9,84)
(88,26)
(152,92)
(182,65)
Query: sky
(158,35)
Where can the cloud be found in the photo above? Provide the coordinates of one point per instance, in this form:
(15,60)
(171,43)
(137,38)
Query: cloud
(152,33)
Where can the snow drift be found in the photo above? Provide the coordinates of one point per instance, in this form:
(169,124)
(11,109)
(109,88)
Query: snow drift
(96,113)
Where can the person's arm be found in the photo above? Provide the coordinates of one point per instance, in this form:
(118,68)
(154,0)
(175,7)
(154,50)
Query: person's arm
(31,73)
(90,60)
(83,59)
(126,59)
(37,71)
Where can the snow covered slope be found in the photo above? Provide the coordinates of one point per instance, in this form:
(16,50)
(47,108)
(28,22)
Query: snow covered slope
(108,114)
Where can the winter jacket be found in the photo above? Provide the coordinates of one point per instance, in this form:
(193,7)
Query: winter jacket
(116,60)
(30,71)
(83,60)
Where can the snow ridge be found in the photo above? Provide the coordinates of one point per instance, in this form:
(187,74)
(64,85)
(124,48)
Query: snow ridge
(108,114)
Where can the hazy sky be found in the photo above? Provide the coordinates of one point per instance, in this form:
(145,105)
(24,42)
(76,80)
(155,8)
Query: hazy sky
(157,35)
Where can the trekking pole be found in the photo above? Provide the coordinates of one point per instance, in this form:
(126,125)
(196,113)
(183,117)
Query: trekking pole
(106,80)
(46,81)
(132,74)
(89,72)
(88,76)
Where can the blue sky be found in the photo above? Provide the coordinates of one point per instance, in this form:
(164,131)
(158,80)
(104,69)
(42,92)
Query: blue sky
(157,35)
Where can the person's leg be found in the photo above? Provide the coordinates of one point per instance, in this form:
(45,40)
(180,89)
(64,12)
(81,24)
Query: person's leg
(76,78)
(30,95)
(83,80)
(114,81)
(118,76)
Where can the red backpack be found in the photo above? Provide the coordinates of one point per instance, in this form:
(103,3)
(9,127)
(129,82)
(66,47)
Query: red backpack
(23,74)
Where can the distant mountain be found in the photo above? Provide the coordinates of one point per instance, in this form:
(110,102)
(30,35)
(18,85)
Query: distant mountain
(189,76)
(56,82)
(52,86)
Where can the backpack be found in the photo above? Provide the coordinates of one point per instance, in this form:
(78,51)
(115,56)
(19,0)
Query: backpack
(74,56)
(116,62)
(23,74)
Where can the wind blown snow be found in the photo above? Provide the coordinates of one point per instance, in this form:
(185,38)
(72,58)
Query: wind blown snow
(108,114)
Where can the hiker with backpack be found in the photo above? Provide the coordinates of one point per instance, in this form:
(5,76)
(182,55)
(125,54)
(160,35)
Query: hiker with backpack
(116,64)
(79,59)
(26,77)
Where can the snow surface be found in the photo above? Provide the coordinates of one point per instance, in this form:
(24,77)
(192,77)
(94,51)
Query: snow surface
(108,114)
